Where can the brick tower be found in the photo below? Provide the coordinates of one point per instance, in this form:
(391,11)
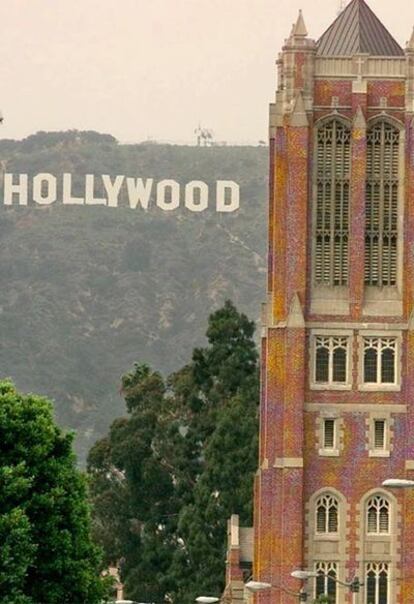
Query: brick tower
(337,410)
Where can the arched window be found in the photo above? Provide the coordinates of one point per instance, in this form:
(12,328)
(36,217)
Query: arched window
(378,515)
(331,359)
(327,514)
(331,232)
(380,360)
(381,226)
(377,583)
(325,584)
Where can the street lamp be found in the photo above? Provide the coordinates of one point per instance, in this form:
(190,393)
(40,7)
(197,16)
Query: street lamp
(398,483)
(256,587)
(353,585)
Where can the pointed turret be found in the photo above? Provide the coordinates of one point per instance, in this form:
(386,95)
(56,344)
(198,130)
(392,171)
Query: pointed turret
(359,120)
(295,317)
(358,30)
(410,43)
(299,118)
(299,28)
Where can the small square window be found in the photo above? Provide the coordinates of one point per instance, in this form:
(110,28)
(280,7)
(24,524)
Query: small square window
(329,431)
(379,436)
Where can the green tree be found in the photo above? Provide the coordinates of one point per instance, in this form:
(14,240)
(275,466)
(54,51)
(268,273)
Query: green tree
(46,553)
(226,386)
(133,490)
(168,476)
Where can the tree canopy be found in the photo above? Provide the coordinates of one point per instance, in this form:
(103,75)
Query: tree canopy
(46,554)
(169,474)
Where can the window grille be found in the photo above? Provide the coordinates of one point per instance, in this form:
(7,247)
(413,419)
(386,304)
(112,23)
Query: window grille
(325,584)
(332,204)
(380,360)
(329,434)
(381,227)
(327,515)
(331,354)
(378,515)
(379,434)
(377,575)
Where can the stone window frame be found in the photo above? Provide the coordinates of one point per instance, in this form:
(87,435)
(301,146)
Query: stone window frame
(339,434)
(339,535)
(330,565)
(383,119)
(330,502)
(312,358)
(318,547)
(334,120)
(379,387)
(382,194)
(381,500)
(367,569)
(367,541)
(373,451)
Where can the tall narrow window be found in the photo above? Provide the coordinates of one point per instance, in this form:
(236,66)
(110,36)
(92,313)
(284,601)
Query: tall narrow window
(382,205)
(325,584)
(331,354)
(378,516)
(377,583)
(327,515)
(329,436)
(380,360)
(379,434)
(332,204)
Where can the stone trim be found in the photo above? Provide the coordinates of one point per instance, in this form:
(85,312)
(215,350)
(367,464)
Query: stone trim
(288,462)
(345,67)
(355,407)
(312,358)
(327,325)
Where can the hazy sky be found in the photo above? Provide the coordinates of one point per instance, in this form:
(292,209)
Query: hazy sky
(153,68)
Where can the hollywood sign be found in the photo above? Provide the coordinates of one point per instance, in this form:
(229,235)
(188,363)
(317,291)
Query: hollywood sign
(45,189)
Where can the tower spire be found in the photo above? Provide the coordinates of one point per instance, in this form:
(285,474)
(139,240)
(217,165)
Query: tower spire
(299,29)
(410,43)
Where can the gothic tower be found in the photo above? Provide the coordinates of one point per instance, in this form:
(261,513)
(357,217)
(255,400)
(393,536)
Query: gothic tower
(337,409)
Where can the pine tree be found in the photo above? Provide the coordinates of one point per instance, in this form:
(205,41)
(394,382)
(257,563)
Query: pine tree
(225,377)
(168,476)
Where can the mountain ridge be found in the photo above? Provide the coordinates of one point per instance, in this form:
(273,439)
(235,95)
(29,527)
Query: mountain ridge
(91,290)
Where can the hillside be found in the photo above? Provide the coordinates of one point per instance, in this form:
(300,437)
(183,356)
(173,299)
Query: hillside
(87,291)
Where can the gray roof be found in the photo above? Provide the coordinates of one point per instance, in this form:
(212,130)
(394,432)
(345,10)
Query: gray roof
(357,30)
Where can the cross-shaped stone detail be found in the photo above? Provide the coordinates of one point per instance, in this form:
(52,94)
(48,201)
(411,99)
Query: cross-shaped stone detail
(360,63)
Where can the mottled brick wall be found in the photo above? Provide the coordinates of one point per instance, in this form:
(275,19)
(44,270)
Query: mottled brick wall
(287,430)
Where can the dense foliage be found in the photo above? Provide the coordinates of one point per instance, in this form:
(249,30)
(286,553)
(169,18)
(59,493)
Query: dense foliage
(80,277)
(46,554)
(169,475)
